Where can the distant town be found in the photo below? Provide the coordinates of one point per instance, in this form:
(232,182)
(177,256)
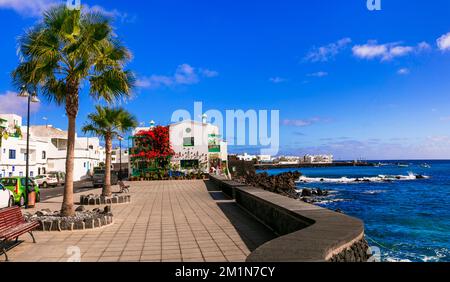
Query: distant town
(286,160)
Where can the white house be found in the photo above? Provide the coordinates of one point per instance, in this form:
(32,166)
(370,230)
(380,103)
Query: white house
(88,152)
(197,145)
(48,151)
(14,148)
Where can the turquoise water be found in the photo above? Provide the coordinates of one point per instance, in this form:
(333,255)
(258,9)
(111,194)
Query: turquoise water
(407,218)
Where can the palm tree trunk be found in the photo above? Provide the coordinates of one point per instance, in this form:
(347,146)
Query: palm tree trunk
(67,208)
(107,187)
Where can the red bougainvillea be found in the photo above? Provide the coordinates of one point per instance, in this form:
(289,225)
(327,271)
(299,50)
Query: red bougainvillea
(153,144)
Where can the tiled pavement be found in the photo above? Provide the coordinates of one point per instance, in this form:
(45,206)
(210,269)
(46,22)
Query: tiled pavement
(166,221)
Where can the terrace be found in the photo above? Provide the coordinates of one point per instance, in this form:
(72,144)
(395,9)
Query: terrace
(166,221)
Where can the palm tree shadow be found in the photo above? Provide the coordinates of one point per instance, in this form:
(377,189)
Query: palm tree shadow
(252,232)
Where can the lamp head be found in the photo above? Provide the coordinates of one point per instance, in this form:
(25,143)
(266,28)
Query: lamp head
(35,99)
(24,92)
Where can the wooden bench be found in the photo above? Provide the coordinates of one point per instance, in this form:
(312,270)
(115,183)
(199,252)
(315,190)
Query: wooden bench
(124,188)
(13,225)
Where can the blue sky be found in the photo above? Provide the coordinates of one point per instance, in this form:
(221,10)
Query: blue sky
(347,81)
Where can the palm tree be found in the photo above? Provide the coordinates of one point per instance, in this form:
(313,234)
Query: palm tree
(67,49)
(109,123)
(3,135)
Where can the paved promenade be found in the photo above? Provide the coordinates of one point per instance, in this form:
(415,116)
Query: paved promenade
(166,221)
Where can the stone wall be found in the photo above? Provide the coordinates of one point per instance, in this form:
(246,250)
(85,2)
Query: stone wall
(306,232)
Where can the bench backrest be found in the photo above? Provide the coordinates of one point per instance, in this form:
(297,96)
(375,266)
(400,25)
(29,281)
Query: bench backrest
(10,217)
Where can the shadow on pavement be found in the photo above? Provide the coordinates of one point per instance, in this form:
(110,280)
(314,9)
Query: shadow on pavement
(252,232)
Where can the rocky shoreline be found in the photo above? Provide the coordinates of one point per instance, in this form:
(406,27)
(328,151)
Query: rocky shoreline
(283,184)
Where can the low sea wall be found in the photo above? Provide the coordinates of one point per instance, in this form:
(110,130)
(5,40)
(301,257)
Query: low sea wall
(306,232)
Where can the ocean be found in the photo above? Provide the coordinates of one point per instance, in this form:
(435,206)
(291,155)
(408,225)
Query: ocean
(406,218)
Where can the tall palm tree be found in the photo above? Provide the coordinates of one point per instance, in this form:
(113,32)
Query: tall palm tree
(68,49)
(109,123)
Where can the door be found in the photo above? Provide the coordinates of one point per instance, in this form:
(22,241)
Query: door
(4,197)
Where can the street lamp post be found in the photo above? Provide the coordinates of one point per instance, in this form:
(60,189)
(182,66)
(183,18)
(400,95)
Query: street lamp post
(31,99)
(120,157)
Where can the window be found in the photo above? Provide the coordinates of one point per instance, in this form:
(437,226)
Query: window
(188,141)
(9,181)
(44,155)
(12,154)
(189,164)
(31,173)
(21,174)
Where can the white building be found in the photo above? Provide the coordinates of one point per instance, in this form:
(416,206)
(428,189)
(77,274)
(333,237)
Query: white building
(48,151)
(197,146)
(13,149)
(246,157)
(115,156)
(319,159)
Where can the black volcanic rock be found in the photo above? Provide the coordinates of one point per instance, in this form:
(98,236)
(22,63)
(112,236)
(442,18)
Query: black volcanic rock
(283,184)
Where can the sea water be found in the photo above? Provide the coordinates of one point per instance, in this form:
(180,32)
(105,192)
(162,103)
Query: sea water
(407,218)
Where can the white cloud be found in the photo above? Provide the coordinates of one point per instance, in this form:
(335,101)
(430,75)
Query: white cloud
(303,122)
(184,75)
(327,52)
(35,8)
(388,51)
(12,104)
(31,8)
(277,80)
(209,73)
(318,74)
(443,42)
(403,71)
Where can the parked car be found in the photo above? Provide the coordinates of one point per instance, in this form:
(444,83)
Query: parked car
(61,176)
(6,197)
(98,179)
(17,185)
(46,180)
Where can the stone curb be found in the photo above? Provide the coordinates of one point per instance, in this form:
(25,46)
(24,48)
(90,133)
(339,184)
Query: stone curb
(95,200)
(86,224)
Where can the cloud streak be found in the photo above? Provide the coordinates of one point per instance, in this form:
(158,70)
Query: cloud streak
(318,74)
(277,80)
(185,74)
(303,122)
(327,52)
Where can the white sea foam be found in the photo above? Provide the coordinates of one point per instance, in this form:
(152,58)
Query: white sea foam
(373,192)
(379,178)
